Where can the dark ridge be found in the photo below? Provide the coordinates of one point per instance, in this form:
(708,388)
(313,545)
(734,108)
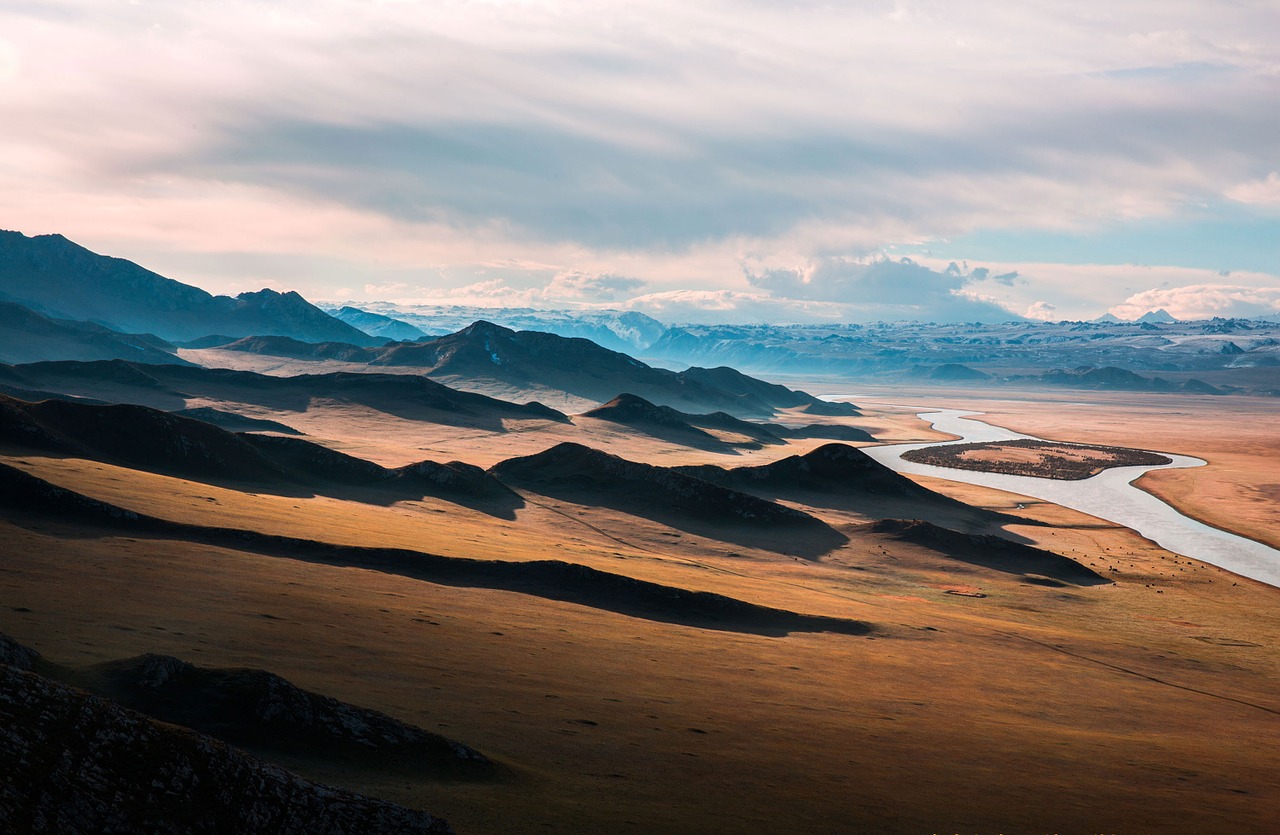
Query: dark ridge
(635,411)
(844,477)
(75,764)
(108,371)
(957,372)
(776,396)
(833,468)
(550,579)
(576,366)
(309,462)
(134,436)
(659,421)
(574,472)
(990,552)
(26,335)
(146,439)
(266,714)
(831,408)
(234,422)
(576,466)
(455,478)
(631,409)
(213,340)
(284,346)
(764,434)
(166,386)
(826,431)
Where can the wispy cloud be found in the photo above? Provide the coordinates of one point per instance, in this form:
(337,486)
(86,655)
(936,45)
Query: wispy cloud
(665,142)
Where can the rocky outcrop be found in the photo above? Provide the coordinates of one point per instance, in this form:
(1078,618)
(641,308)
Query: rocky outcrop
(72,764)
(263,711)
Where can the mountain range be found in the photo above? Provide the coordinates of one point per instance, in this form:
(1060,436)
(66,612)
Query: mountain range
(61,279)
(530,360)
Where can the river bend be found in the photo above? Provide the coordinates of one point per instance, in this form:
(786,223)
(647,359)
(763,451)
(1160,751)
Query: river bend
(1109,495)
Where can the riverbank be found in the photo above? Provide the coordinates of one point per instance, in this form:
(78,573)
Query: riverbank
(1109,495)
(1238,490)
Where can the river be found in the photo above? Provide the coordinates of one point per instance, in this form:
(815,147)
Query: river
(1109,495)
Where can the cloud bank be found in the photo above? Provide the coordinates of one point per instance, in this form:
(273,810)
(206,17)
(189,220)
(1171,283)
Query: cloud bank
(331,144)
(1202,301)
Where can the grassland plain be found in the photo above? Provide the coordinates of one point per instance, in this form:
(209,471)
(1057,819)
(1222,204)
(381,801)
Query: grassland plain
(1145,705)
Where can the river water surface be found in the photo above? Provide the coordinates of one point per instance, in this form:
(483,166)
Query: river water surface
(1109,495)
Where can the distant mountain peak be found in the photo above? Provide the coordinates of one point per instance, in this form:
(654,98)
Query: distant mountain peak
(1159,316)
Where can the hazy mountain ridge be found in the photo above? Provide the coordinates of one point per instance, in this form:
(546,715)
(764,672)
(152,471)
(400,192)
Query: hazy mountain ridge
(483,351)
(626,331)
(61,279)
(1239,353)
(27,336)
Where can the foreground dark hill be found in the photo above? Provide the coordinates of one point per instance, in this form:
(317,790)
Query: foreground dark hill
(268,715)
(59,278)
(26,336)
(263,713)
(24,496)
(580,474)
(75,764)
(142,438)
(484,352)
(170,387)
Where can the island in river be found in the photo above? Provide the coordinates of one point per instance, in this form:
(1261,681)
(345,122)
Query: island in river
(1030,457)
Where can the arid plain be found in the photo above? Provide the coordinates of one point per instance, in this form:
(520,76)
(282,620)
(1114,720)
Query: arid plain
(992,691)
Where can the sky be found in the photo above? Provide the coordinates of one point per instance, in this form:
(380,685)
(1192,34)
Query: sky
(748,161)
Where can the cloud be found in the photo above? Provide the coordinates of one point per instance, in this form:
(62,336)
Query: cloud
(342,142)
(388,289)
(1043,311)
(732,307)
(1203,301)
(580,286)
(1262,192)
(885,288)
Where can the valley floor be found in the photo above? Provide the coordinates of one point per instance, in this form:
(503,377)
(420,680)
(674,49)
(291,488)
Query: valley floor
(984,700)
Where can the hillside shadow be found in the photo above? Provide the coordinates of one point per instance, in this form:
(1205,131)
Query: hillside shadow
(803,536)
(988,551)
(500,505)
(27,499)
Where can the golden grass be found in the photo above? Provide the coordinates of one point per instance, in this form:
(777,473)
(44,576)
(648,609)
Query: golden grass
(1145,706)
